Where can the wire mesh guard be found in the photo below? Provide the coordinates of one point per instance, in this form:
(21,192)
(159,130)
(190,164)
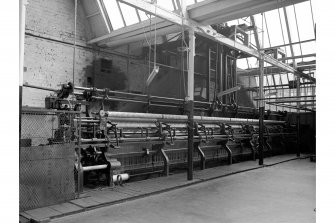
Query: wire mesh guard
(47,157)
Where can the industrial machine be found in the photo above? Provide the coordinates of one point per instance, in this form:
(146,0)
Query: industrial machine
(113,146)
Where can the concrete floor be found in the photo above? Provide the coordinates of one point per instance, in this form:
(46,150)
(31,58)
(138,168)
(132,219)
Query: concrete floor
(281,193)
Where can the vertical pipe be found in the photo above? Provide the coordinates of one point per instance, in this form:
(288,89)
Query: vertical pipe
(221,74)
(298,81)
(74,41)
(235,76)
(22,27)
(80,169)
(261,111)
(209,74)
(298,115)
(226,77)
(262,101)
(190,99)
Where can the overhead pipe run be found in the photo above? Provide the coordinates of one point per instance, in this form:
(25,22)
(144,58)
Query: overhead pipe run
(139,116)
(22,10)
(140,98)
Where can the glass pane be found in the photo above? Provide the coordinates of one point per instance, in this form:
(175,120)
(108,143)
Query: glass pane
(166,4)
(269,80)
(290,77)
(253,62)
(114,14)
(292,23)
(265,83)
(143,15)
(284,78)
(273,22)
(298,52)
(277,79)
(305,21)
(242,63)
(187,2)
(129,14)
(308,48)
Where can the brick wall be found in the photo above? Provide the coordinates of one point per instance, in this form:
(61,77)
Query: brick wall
(49,51)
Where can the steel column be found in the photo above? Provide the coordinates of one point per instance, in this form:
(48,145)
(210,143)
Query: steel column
(22,10)
(190,101)
(261,112)
(297,78)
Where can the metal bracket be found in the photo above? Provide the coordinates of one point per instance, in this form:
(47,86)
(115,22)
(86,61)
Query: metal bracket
(230,154)
(114,129)
(203,128)
(202,155)
(166,127)
(166,162)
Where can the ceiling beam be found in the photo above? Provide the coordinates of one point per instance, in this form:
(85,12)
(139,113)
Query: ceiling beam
(210,33)
(219,11)
(124,39)
(273,70)
(287,44)
(131,30)
(296,57)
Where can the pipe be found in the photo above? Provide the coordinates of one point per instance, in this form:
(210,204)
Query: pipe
(261,111)
(115,98)
(294,97)
(38,87)
(293,101)
(95,167)
(124,177)
(22,10)
(115,115)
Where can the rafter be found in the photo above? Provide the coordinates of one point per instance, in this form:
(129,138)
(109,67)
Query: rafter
(219,11)
(209,32)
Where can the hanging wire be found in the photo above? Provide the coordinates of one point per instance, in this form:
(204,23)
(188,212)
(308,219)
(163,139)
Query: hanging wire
(266,76)
(144,33)
(310,2)
(182,47)
(267,30)
(149,68)
(155,46)
(74,40)
(282,31)
(296,22)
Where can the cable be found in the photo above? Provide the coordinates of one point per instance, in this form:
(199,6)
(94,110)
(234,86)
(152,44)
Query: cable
(155,46)
(296,22)
(182,46)
(74,40)
(267,30)
(282,31)
(310,2)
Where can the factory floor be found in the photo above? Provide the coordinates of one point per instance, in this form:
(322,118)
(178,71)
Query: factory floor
(283,192)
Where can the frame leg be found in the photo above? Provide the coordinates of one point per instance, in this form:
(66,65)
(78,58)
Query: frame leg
(166,163)
(203,158)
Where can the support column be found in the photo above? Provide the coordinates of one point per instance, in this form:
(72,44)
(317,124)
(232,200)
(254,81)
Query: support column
(297,77)
(261,111)
(22,24)
(261,103)
(190,101)
(298,116)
